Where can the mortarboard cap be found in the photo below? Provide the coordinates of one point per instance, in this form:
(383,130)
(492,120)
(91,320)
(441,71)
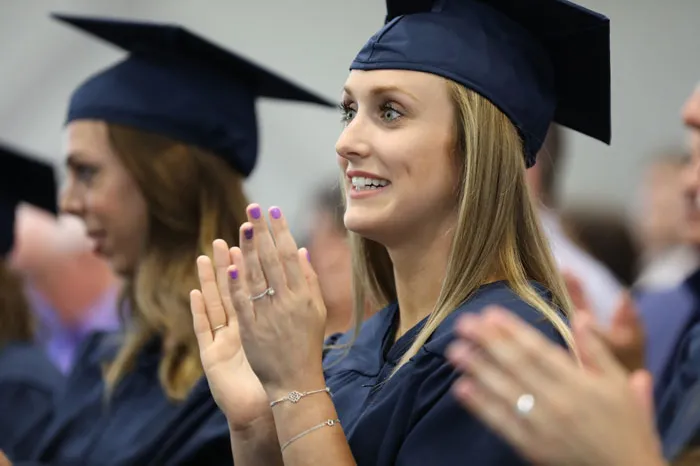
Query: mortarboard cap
(179,85)
(22,179)
(538,61)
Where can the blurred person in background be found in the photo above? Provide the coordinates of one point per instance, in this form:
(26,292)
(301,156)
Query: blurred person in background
(599,284)
(666,258)
(72,291)
(28,380)
(677,330)
(606,235)
(331,257)
(672,321)
(157,148)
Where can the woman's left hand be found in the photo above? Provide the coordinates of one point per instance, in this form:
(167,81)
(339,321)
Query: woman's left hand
(281,313)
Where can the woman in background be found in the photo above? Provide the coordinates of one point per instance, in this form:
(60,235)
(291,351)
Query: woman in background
(157,148)
(28,380)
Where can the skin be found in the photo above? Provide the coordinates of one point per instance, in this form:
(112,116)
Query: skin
(398,127)
(103,194)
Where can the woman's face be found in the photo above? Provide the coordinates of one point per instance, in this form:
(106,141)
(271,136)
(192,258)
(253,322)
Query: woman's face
(396,152)
(101,191)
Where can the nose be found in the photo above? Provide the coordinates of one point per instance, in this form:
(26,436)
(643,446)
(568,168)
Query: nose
(72,200)
(691,110)
(691,177)
(354,140)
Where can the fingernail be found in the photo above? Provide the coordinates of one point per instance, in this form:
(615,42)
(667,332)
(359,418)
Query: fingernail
(255,213)
(275,212)
(248,233)
(308,256)
(233,274)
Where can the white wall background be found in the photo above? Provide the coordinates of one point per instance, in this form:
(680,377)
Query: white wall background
(656,64)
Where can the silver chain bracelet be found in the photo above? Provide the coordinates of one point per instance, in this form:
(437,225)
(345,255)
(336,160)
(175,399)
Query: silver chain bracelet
(295,396)
(328,423)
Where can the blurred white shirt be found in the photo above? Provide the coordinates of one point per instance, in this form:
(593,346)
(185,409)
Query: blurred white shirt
(601,287)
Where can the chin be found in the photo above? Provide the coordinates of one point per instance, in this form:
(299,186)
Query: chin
(377,230)
(120,266)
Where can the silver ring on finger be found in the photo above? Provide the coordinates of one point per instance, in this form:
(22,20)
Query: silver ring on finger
(525,404)
(268,292)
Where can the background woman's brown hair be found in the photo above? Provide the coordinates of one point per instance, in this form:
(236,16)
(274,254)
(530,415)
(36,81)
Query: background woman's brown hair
(193,198)
(16,320)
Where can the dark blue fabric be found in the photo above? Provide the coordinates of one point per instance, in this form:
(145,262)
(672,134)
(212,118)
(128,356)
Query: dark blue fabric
(23,178)
(412,418)
(137,425)
(29,384)
(678,388)
(179,85)
(538,61)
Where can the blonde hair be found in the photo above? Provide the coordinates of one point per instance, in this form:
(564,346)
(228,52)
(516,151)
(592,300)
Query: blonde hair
(492,191)
(193,198)
(15,315)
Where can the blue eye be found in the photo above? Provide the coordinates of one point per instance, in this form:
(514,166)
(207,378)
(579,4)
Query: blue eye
(390,114)
(84,173)
(346,113)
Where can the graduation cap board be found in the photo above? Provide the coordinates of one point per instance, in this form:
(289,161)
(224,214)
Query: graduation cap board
(538,61)
(179,85)
(22,179)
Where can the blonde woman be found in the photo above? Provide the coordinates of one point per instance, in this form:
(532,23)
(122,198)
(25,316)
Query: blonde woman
(157,149)
(444,109)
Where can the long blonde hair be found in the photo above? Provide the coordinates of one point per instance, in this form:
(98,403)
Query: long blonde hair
(193,197)
(497,231)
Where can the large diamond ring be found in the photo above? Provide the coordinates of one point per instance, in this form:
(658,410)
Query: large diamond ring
(268,292)
(525,404)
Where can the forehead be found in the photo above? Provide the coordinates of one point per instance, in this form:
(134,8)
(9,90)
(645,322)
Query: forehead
(86,139)
(415,83)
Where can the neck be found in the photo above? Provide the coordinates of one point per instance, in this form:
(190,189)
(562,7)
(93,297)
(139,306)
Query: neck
(338,321)
(419,271)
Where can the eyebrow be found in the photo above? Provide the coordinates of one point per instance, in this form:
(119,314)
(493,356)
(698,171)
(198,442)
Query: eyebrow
(73,160)
(383,90)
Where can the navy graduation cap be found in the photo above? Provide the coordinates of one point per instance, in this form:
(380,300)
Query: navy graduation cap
(22,179)
(538,61)
(179,85)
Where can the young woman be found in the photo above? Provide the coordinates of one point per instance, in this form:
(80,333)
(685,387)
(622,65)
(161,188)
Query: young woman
(444,109)
(157,149)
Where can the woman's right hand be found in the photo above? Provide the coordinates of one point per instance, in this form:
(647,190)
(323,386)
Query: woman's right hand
(595,415)
(233,384)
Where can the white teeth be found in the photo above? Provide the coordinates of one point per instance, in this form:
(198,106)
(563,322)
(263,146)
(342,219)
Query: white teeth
(361,183)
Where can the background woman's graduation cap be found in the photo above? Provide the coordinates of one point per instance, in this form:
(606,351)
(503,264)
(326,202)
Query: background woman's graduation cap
(180,85)
(22,179)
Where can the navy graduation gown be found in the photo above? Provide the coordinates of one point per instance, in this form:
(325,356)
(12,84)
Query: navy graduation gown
(412,419)
(137,425)
(28,384)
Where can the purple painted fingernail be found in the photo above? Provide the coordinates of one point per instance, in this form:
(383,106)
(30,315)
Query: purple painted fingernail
(255,213)
(233,274)
(308,256)
(275,212)
(248,233)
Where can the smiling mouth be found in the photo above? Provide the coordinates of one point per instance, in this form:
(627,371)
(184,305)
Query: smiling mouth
(361,183)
